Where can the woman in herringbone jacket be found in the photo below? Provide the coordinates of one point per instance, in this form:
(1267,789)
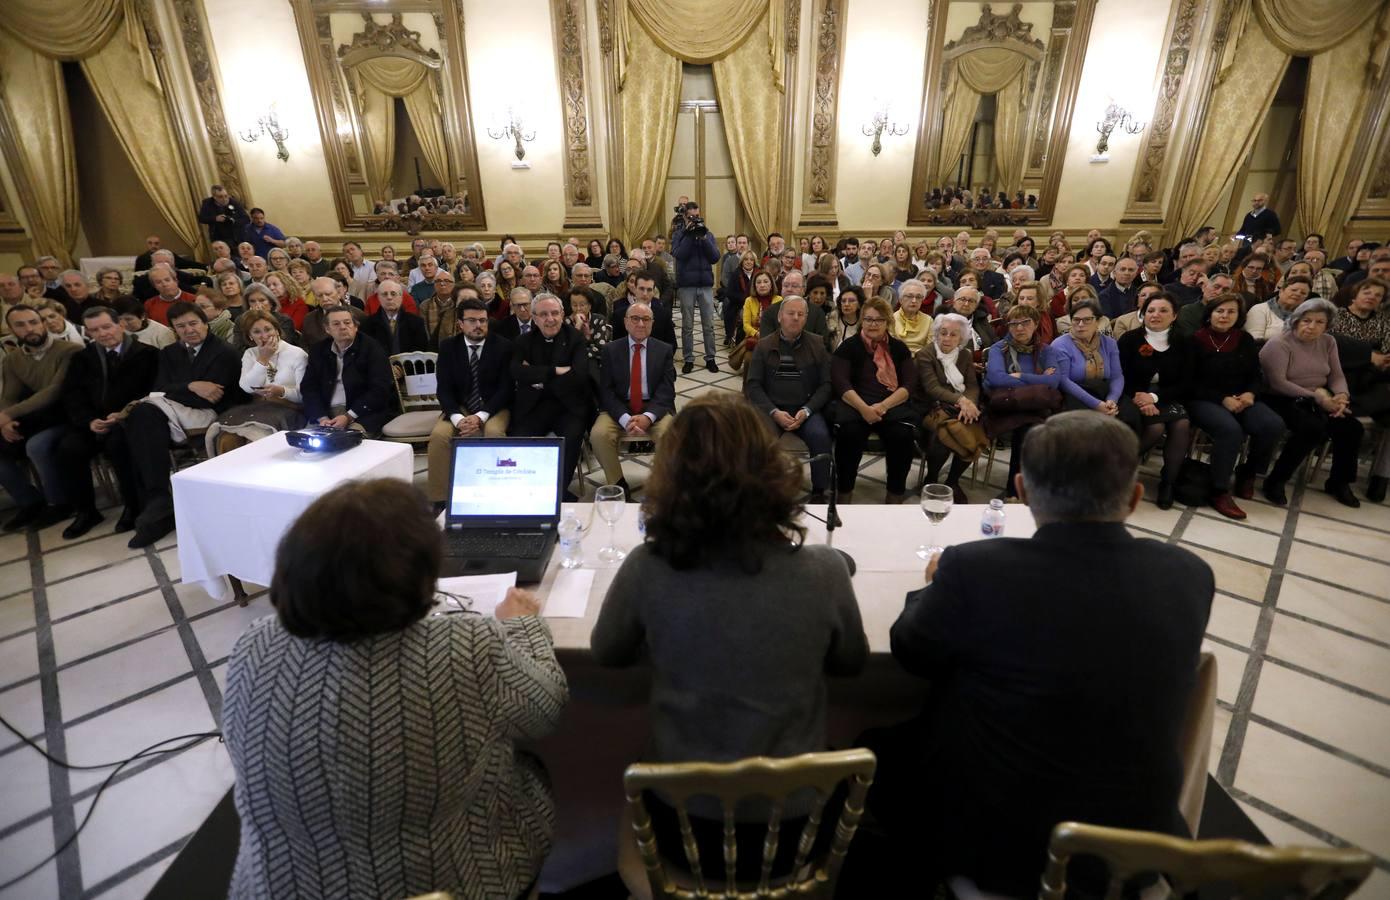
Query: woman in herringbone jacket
(374,744)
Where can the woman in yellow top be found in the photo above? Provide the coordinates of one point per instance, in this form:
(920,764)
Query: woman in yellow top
(763,296)
(910,325)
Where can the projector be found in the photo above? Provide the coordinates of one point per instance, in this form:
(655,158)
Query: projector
(321,439)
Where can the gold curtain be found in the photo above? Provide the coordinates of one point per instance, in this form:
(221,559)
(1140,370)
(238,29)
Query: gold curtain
(1238,108)
(1310,27)
(33,91)
(387,77)
(1338,86)
(752,110)
(64,29)
(377,116)
(649,104)
(135,109)
(958,116)
(1009,126)
(700,31)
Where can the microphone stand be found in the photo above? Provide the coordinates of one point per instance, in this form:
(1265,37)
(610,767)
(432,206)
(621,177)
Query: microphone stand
(832,516)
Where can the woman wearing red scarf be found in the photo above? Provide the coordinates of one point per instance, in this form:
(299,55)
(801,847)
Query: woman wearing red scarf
(874,377)
(763,295)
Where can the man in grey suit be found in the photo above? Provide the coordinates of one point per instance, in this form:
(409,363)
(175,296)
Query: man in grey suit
(629,406)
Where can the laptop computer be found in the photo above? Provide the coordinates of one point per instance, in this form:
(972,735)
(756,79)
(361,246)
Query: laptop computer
(503,507)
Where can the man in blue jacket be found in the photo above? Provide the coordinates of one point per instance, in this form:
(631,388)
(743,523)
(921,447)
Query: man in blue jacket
(696,253)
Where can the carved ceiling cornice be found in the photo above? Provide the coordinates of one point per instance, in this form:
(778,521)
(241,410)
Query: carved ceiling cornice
(392,39)
(997,30)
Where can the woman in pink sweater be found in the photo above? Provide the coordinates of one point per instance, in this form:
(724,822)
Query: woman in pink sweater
(1307,388)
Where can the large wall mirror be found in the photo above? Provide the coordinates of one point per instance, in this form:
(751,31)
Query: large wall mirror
(1000,85)
(391,92)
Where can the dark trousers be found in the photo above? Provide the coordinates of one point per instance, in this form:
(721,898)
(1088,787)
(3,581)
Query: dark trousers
(551,416)
(733,317)
(1016,439)
(76,450)
(897,430)
(815,434)
(139,446)
(1228,431)
(1308,426)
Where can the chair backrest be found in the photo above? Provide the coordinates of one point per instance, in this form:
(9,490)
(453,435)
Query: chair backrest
(762,777)
(416,380)
(1195,745)
(1254,871)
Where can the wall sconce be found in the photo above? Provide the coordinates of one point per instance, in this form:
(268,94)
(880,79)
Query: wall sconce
(1116,116)
(269,124)
(880,124)
(514,130)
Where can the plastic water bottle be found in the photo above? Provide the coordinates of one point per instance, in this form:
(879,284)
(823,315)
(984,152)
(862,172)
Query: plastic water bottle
(571,542)
(992,522)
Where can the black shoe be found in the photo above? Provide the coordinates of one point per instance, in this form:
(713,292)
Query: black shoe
(1343,495)
(958,495)
(126,522)
(1375,488)
(25,517)
(1165,495)
(711,365)
(52,515)
(147,535)
(85,522)
(1274,492)
(818,498)
(687,368)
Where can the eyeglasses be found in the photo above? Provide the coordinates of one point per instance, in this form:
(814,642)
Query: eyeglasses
(1082,320)
(1020,323)
(639,318)
(873,321)
(475,320)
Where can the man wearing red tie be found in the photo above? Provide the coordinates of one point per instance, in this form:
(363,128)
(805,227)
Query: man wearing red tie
(637,391)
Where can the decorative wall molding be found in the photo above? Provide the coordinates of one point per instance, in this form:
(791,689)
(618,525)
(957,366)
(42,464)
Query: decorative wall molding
(793,17)
(197,48)
(818,201)
(605,26)
(581,205)
(1063,18)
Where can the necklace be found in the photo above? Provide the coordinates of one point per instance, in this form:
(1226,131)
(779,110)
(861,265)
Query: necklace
(1226,340)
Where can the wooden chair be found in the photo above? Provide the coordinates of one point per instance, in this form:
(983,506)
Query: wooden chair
(649,873)
(1255,871)
(416,388)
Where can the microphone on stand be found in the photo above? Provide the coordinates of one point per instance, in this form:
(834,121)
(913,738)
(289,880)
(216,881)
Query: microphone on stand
(832,517)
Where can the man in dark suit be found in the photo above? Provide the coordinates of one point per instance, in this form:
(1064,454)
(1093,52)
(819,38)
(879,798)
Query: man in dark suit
(1123,293)
(636,391)
(641,288)
(315,327)
(108,374)
(550,367)
(475,390)
(520,321)
(347,382)
(1051,701)
(1261,221)
(396,330)
(223,215)
(196,381)
(992,284)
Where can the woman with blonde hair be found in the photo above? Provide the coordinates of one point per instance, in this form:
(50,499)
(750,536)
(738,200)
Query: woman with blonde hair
(291,299)
(271,371)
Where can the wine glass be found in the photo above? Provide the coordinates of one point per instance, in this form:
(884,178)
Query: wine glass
(610,501)
(936,505)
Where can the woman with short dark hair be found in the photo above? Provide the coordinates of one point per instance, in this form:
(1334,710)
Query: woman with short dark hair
(374,744)
(1157,364)
(1020,360)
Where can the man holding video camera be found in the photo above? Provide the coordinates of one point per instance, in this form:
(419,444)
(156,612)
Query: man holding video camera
(696,253)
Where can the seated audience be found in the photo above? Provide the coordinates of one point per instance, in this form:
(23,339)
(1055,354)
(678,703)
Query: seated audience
(290,298)
(1089,363)
(875,382)
(1030,293)
(219,320)
(990,282)
(636,392)
(763,297)
(1362,330)
(789,383)
(1307,388)
(1121,295)
(233,291)
(475,390)
(642,288)
(1191,314)
(842,322)
(1081,293)
(328,295)
(1023,381)
(1265,318)
(103,380)
(347,382)
(878,282)
(32,420)
(196,381)
(950,390)
(271,372)
(259,297)
(592,326)
(722,568)
(911,324)
(56,321)
(165,290)
(966,304)
(1226,384)
(519,322)
(470,813)
(1157,364)
(794,283)
(1258,279)
(549,367)
(147,331)
(1078,720)
(1131,320)
(495,300)
(391,326)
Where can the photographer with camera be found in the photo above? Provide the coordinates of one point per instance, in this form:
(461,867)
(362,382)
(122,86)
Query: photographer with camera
(696,253)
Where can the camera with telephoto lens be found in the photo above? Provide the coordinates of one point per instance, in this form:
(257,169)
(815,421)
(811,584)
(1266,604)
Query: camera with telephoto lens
(694,224)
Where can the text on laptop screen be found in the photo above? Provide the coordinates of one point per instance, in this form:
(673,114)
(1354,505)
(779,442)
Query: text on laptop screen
(513,480)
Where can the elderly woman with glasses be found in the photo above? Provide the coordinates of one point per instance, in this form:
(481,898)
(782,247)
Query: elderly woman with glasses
(875,380)
(1019,360)
(1089,362)
(1306,386)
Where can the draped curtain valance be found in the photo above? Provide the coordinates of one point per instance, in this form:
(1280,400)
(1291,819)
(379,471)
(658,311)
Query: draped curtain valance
(701,31)
(987,70)
(66,29)
(378,81)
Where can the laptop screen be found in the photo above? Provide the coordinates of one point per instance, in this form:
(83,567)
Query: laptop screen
(505,479)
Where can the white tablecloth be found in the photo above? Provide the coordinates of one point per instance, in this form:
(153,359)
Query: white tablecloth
(232,509)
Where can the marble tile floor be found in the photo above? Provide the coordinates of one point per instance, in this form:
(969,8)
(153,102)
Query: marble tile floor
(103,650)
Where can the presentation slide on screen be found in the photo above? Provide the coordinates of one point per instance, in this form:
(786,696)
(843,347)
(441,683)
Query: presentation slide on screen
(504,481)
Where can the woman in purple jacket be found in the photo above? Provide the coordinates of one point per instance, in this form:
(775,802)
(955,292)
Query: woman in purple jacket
(1021,358)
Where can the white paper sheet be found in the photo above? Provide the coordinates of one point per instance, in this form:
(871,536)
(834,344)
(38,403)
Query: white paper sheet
(569,595)
(480,593)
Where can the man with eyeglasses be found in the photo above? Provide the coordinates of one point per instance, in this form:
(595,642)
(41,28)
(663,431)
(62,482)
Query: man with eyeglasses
(475,390)
(636,391)
(550,368)
(520,321)
(1253,280)
(438,308)
(1261,221)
